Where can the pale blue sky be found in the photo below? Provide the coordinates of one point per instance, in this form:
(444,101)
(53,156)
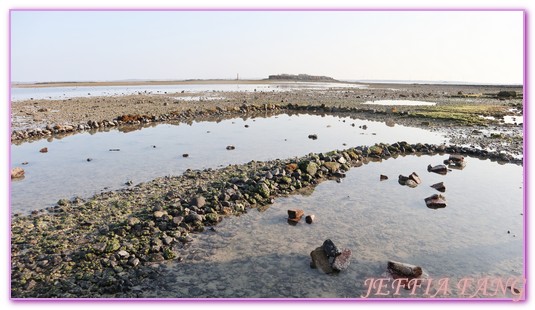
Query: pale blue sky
(485,47)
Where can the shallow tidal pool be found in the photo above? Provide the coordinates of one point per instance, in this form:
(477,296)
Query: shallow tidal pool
(479,235)
(87,163)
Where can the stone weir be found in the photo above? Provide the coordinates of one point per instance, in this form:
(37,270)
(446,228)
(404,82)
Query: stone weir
(106,245)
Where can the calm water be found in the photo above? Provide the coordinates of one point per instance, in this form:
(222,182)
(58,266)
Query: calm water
(64,171)
(55,93)
(260,255)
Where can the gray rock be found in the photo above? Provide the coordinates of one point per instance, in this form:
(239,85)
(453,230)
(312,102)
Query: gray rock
(193,217)
(159,214)
(440,169)
(123,254)
(177,220)
(411,183)
(198,201)
(415,178)
(320,260)
(133,261)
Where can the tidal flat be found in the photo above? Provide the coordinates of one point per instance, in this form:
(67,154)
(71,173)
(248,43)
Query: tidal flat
(174,226)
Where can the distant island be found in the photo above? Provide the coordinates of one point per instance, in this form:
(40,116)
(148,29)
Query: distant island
(300,77)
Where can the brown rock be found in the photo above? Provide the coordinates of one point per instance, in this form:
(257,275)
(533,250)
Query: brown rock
(436,201)
(404,270)
(310,218)
(17,172)
(415,178)
(455,158)
(383,177)
(295,215)
(320,260)
(43,150)
(291,167)
(439,187)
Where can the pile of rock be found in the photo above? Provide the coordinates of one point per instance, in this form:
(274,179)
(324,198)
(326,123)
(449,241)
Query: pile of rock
(329,258)
(411,181)
(294,216)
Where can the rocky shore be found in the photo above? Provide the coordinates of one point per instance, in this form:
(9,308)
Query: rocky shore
(105,245)
(109,244)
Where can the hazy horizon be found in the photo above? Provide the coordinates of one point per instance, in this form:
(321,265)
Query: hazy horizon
(477,47)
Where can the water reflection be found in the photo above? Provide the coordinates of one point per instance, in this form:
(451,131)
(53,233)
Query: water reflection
(479,234)
(156,151)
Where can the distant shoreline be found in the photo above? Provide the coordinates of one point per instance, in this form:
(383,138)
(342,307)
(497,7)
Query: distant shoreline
(248,81)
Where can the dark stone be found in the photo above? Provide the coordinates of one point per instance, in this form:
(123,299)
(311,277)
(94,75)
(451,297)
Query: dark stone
(435,201)
(330,249)
(440,169)
(43,150)
(115,150)
(439,187)
(185,155)
(231,147)
(383,177)
(89,159)
(313,137)
(342,261)
(193,217)
(310,218)
(320,260)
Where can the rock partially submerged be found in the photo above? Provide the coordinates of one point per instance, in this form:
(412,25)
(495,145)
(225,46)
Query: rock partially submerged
(44,150)
(440,169)
(411,181)
(408,274)
(320,260)
(404,270)
(439,187)
(383,177)
(455,161)
(329,259)
(295,215)
(436,201)
(17,173)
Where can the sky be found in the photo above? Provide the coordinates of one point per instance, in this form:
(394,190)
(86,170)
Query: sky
(467,46)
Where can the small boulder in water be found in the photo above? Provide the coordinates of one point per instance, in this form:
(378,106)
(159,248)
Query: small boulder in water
(436,201)
(17,173)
